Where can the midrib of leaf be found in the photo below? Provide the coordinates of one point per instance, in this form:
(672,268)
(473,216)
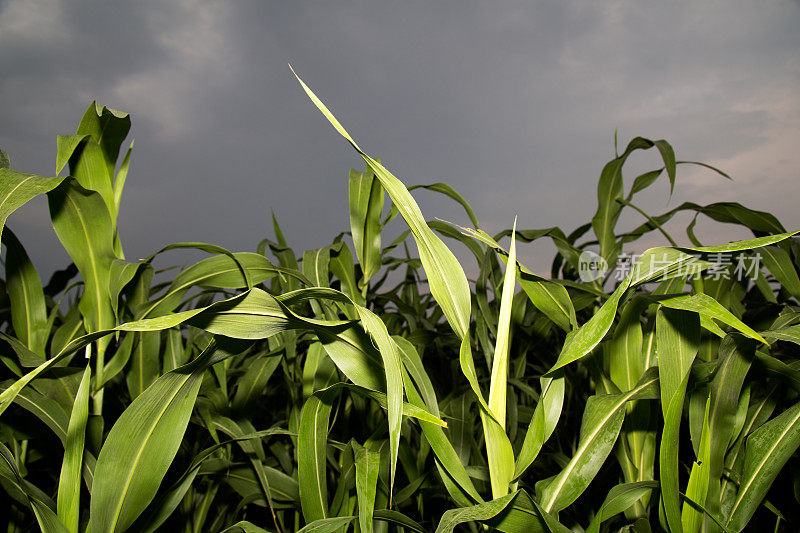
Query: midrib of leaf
(558,304)
(746,487)
(715,404)
(27,315)
(91,260)
(72,333)
(365,224)
(144,441)
(261,370)
(255,312)
(17,186)
(317,252)
(591,437)
(140,366)
(650,339)
(322,503)
(20,399)
(628,362)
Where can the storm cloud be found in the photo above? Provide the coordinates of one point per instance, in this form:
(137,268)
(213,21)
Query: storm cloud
(515,104)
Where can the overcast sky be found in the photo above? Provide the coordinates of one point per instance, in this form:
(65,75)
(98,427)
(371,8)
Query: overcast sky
(515,104)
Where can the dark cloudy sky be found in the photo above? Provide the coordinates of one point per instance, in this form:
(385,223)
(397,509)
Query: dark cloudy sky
(513,103)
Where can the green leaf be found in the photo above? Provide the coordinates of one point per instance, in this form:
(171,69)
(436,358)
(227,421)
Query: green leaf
(122,175)
(145,365)
(543,423)
(45,516)
(625,354)
(245,527)
(82,223)
(252,383)
(69,483)
(45,409)
(699,478)
(366,206)
(620,498)
(602,421)
(122,273)
(707,306)
(551,299)
(327,525)
(779,263)
(394,517)
(735,356)
(353,353)
(312,441)
(93,159)
(668,155)
(165,504)
(446,278)
(609,190)
(677,340)
(28,310)
(143,442)
(514,512)
(583,340)
(367,464)
(449,191)
(65,147)
(440,444)
(498,448)
(16,188)
(224,271)
(643,181)
(767,450)
(316,265)
(747,244)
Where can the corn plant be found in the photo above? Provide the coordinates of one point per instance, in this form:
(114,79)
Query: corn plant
(365,386)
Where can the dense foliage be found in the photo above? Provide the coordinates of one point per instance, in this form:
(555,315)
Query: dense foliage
(364,386)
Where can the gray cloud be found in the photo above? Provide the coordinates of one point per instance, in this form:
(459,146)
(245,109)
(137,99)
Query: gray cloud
(515,104)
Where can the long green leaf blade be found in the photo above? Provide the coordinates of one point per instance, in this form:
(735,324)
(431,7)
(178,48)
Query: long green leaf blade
(69,483)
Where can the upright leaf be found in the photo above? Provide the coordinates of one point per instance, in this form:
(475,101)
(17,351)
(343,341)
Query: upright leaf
(767,450)
(500,457)
(142,444)
(312,441)
(28,310)
(677,340)
(69,483)
(367,465)
(366,206)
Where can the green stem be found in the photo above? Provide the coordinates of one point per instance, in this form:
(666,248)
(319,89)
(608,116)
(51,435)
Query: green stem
(651,220)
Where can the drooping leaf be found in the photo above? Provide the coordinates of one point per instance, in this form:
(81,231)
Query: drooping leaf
(69,483)
(446,278)
(16,188)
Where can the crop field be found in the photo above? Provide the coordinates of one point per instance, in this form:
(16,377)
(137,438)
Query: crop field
(371,386)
